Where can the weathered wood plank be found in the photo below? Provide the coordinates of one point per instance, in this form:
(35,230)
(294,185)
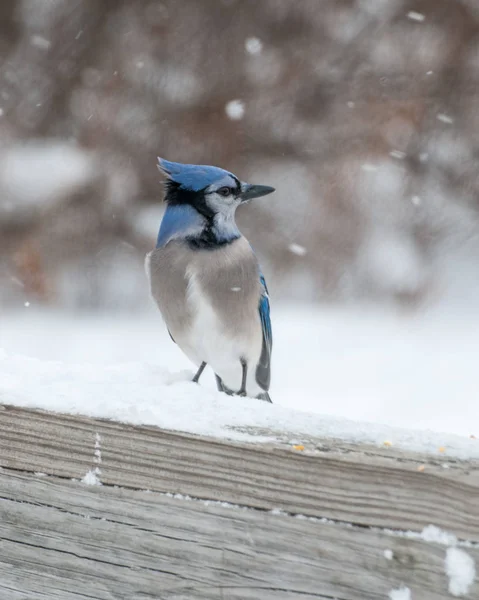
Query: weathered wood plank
(351,487)
(357,486)
(60,539)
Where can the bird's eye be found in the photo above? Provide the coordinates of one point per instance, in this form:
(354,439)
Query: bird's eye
(224,191)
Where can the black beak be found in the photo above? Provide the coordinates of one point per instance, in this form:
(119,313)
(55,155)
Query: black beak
(255,191)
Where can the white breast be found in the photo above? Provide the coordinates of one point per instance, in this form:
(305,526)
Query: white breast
(210,340)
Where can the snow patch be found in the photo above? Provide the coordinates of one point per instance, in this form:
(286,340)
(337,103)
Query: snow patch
(92,477)
(461,570)
(403,593)
(108,361)
(388,554)
(434,534)
(38,172)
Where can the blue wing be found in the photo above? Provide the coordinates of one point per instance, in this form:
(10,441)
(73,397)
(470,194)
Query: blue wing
(263,370)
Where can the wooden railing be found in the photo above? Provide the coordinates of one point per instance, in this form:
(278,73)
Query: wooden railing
(182,517)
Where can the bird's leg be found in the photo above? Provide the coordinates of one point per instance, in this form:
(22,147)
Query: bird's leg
(196,378)
(244,366)
(221,386)
(219,383)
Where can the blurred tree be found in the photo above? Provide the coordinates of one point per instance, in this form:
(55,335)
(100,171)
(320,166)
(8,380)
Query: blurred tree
(362,113)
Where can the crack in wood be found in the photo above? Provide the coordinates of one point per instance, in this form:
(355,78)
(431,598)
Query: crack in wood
(210,502)
(279,589)
(82,557)
(39,594)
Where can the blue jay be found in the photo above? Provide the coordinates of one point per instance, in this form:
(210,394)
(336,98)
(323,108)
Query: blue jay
(206,280)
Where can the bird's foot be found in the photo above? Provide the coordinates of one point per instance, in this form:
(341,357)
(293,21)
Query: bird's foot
(222,388)
(265,397)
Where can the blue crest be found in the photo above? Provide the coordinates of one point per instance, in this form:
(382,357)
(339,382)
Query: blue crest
(191,177)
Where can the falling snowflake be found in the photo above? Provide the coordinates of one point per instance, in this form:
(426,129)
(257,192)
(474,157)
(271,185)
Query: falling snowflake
(415,16)
(253,45)
(369,167)
(445,118)
(297,249)
(40,42)
(235,110)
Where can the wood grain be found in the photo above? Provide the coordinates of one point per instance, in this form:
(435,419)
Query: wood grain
(357,486)
(64,540)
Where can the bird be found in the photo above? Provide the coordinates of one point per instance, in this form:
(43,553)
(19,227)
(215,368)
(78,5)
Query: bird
(206,280)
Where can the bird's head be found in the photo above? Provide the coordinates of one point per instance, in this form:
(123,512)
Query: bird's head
(210,190)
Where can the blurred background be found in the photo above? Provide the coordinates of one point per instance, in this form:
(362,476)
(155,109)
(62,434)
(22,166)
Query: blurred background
(362,113)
